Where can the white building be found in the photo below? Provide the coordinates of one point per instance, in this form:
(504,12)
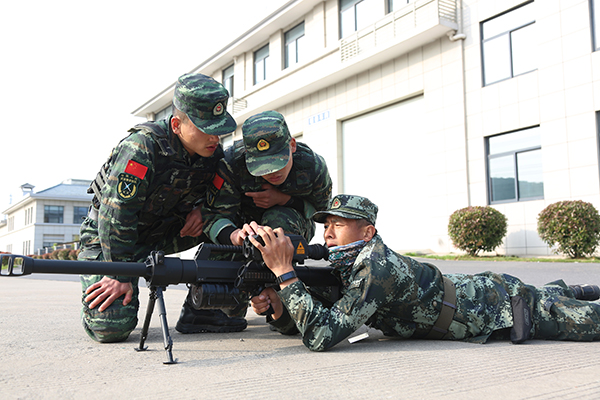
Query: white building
(429,106)
(40,220)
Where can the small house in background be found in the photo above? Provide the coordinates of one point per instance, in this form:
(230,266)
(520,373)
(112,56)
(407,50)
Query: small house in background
(42,221)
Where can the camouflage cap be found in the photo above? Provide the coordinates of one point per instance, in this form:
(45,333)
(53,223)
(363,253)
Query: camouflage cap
(204,101)
(349,206)
(267,139)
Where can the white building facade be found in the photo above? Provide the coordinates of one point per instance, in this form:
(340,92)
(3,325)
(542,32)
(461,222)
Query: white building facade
(429,106)
(41,221)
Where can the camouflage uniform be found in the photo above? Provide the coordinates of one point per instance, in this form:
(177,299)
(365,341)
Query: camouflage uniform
(265,149)
(403,298)
(142,197)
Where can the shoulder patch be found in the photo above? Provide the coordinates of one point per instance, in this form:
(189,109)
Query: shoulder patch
(218,181)
(127,187)
(136,169)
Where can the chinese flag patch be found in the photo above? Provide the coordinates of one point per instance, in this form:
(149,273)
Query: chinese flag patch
(218,181)
(136,169)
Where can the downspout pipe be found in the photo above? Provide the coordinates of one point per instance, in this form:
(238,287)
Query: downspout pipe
(458,34)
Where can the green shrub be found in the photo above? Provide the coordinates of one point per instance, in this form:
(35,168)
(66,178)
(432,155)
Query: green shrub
(54,254)
(63,254)
(73,254)
(473,229)
(572,227)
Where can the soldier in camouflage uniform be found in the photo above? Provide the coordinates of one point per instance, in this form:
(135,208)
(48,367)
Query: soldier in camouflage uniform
(267,179)
(147,197)
(405,298)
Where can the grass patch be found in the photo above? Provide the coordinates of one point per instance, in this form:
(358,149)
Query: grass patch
(499,258)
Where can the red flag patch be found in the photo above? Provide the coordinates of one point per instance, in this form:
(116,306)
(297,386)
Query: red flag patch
(136,169)
(218,181)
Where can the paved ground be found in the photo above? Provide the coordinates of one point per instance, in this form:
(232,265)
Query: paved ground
(44,354)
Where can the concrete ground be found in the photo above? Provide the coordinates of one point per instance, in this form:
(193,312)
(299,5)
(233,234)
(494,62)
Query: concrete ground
(45,354)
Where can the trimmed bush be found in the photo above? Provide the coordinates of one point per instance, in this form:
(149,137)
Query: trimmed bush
(73,254)
(63,254)
(475,229)
(54,254)
(572,227)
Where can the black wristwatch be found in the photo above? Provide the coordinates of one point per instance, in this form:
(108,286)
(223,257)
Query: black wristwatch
(284,277)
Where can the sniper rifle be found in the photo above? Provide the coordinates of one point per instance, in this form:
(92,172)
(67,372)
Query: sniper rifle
(216,284)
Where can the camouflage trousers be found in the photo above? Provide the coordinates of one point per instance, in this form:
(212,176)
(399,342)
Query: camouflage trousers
(562,317)
(556,314)
(116,322)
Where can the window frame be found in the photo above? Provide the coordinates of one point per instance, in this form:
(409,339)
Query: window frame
(288,41)
(510,44)
(61,219)
(595,23)
(263,61)
(228,79)
(83,215)
(390,5)
(514,153)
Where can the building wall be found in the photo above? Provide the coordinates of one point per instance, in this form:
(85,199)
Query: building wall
(561,96)
(38,232)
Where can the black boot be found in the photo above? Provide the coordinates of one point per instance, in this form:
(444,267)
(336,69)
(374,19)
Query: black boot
(196,321)
(586,292)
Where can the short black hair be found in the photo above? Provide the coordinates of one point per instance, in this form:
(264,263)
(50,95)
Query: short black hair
(178,113)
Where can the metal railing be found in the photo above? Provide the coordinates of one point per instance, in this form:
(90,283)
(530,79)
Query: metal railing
(236,104)
(397,24)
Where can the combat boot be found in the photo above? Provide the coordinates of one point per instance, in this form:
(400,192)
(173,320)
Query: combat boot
(586,292)
(216,321)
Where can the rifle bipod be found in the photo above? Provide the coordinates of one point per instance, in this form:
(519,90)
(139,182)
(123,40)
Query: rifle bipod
(156,293)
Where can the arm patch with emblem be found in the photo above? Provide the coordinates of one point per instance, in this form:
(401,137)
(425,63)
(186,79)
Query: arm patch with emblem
(127,188)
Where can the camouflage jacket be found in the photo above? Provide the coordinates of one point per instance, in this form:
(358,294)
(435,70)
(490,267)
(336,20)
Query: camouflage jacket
(401,297)
(227,204)
(152,184)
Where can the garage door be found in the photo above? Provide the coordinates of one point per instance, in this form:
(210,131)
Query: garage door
(384,159)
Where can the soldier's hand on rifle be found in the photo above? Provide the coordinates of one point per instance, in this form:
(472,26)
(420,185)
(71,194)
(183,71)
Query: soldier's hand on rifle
(193,224)
(106,291)
(267,297)
(269,197)
(277,253)
(237,237)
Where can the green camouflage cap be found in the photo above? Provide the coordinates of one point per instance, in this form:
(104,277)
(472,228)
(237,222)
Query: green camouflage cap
(349,206)
(267,139)
(204,101)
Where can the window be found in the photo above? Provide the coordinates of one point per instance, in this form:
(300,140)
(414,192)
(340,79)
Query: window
(260,64)
(508,44)
(164,113)
(26,248)
(394,5)
(51,240)
(79,213)
(293,45)
(356,14)
(11,224)
(228,79)
(595,13)
(226,140)
(53,214)
(28,215)
(515,166)
(9,248)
